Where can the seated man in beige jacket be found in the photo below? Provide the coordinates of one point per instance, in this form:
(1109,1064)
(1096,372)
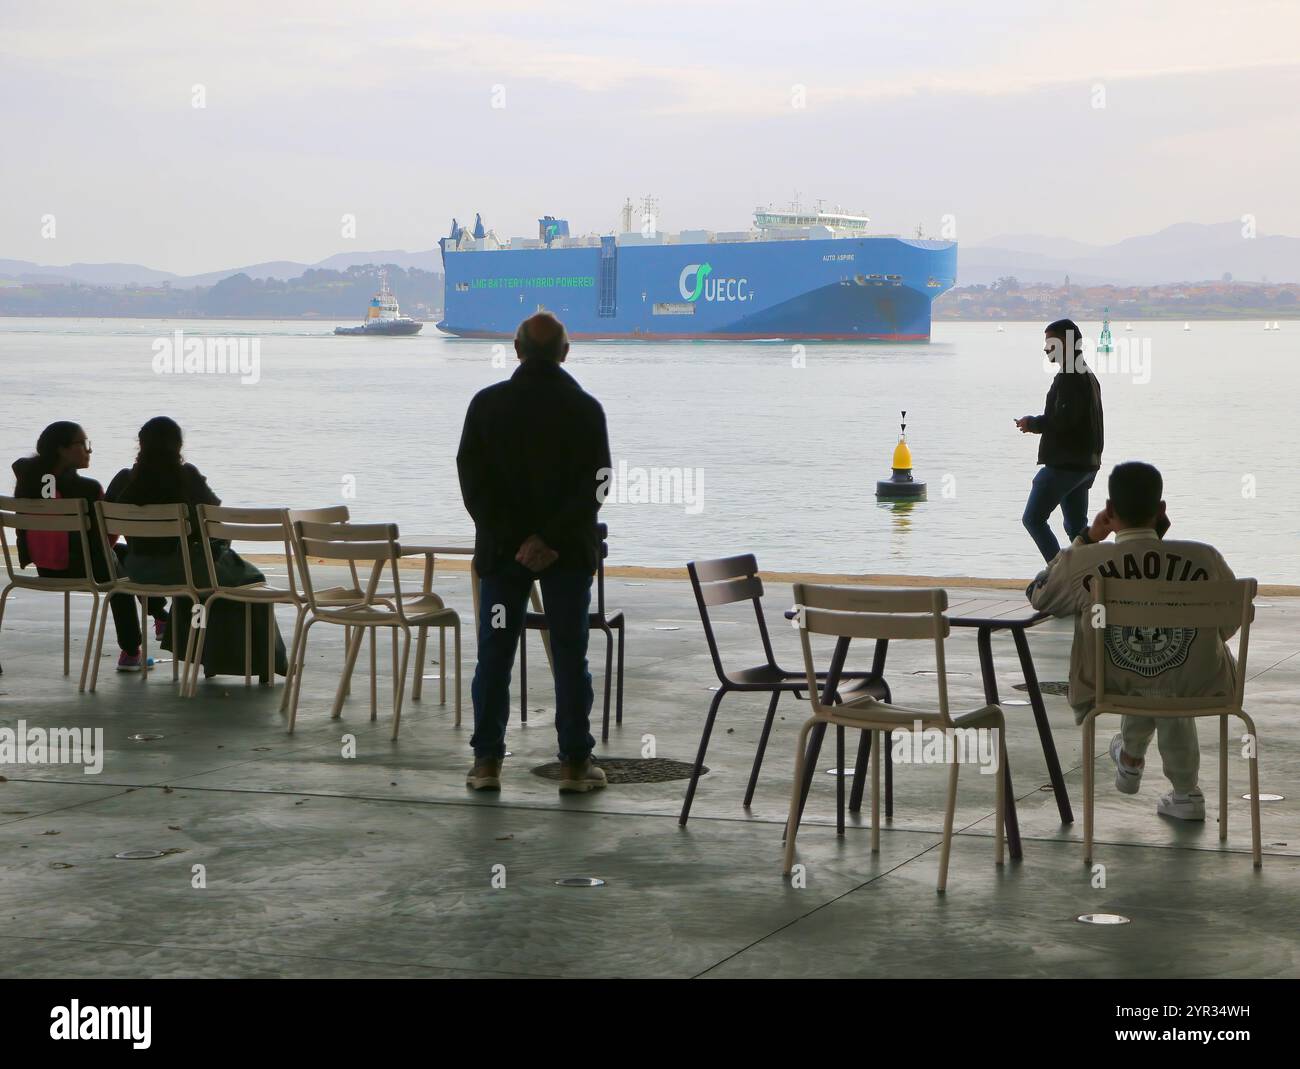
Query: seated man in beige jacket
(1175,661)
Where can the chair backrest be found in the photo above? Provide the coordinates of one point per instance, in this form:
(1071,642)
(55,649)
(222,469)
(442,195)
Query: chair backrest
(68,514)
(327,514)
(1159,616)
(872,612)
(145,521)
(727,581)
(244,525)
(375,543)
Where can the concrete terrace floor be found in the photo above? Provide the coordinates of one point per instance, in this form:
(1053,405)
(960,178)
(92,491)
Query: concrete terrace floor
(382,865)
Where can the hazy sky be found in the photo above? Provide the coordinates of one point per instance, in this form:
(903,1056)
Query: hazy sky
(908,111)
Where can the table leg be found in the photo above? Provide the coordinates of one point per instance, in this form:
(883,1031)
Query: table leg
(991,696)
(1044,728)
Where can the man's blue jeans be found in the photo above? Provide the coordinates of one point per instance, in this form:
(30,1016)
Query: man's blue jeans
(503,600)
(1053,487)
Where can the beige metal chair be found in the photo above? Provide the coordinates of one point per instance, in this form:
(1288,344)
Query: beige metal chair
(55,514)
(876,613)
(346,594)
(343,594)
(1224,605)
(150,521)
(377,545)
(247,525)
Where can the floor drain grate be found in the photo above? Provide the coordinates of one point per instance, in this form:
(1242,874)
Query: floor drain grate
(630,769)
(1049,686)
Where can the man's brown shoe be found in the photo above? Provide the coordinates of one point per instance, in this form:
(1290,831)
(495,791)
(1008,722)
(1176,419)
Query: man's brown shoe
(485,775)
(579,777)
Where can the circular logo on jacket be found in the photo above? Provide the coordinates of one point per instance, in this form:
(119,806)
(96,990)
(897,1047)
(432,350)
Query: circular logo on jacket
(1149,651)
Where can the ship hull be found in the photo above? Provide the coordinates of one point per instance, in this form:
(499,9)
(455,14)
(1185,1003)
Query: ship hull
(845,289)
(387,330)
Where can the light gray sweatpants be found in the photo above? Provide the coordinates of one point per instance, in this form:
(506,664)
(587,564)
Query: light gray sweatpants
(1180,748)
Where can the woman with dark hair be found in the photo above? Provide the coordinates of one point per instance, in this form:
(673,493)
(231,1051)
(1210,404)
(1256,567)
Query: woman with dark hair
(61,451)
(161,476)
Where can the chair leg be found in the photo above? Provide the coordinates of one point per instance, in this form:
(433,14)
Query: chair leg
(618,698)
(99,642)
(193,672)
(442,665)
(90,641)
(699,756)
(248,644)
(399,674)
(347,639)
(417,681)
(839,780)
(860,771)
(297,677)
(762,744)
(1089,745)
(523,675)
(609,665)
(796,795)
(190,677)
(67,633)
(999,821)
(349,663)
(949,812)
(444,669)
(876,755)
(144,618)
(1256,847)
(374,674)
(293,660)
(268,677)
(144,636)
(1223,779)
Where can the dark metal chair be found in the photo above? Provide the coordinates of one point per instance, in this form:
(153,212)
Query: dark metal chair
(603,620)
(730,580)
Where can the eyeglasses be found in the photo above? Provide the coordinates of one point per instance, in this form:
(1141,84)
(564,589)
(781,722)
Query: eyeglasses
(82,441)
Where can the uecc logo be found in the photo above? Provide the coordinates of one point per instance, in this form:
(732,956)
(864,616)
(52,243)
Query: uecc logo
(711,289)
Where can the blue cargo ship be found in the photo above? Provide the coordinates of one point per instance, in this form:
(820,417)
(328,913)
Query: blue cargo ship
(800,274)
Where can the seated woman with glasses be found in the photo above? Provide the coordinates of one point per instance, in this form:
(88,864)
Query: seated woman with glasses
(62,450)
(161,477)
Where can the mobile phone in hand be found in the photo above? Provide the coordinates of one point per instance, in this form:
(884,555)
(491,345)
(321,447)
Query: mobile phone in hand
(1162,525)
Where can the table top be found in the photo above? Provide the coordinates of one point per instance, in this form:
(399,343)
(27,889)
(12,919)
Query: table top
(994,613)
(445,549)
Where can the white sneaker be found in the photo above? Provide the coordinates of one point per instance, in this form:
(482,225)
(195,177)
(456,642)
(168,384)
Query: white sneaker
(1127,778)
(1189,806)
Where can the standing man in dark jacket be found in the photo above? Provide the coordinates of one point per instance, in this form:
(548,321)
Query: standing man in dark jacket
(1070,450)
(530,462)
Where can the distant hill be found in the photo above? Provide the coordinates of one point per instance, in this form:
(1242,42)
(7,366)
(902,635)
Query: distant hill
(138,275)
(1184,252)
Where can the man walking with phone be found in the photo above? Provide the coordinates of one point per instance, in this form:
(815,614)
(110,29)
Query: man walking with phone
(530,462)
(1070,448)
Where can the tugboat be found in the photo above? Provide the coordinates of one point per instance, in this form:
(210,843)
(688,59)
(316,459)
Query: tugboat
(383,316)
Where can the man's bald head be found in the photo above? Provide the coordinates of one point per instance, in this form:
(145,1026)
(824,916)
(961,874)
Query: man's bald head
(542,337)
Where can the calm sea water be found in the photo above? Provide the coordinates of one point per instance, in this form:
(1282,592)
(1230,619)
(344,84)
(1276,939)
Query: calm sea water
(788,455)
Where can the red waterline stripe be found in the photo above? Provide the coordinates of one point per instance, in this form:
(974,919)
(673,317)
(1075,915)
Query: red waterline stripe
(710,337)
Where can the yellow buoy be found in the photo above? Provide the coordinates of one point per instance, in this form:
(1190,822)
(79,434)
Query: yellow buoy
(901,484)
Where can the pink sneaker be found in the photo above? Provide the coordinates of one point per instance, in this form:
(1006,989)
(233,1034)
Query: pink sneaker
(159,627)
(131,662)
